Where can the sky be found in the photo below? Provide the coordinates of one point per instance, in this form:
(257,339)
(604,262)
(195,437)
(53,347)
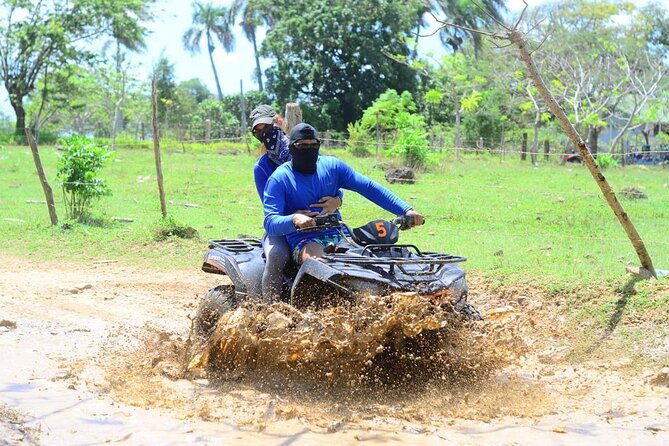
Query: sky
(173,17)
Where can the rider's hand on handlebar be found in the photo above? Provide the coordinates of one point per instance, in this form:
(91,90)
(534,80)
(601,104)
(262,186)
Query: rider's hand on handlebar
(327,204)
(415,217)
(307,212)
(301,221)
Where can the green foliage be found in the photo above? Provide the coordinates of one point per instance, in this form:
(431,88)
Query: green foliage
(471,102)
(391,114)
(223,123)
(337,52)
(165,85)
(486,124)
(412,141)
(210,23)
(59,33)
(77,174)
(385,110)
(169,227)
(605,161)
(358,141)
(252,99)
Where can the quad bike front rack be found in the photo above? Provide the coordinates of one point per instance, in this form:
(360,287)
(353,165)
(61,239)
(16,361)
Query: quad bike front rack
(433,261)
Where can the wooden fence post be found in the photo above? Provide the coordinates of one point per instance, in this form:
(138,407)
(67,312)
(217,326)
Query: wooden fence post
(207,131)
(156,146)
(293,116)
(523,150)
(547,149)
(48,193)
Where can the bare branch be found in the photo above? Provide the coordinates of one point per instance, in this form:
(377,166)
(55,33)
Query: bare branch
(470,30)
(485,11)
(522,15)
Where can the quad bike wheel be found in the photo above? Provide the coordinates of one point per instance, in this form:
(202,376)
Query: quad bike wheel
(469,313)
(213,305)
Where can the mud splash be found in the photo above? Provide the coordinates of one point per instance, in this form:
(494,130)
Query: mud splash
(391,340)
(395,357)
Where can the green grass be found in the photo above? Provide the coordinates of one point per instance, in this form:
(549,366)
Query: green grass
(511,220)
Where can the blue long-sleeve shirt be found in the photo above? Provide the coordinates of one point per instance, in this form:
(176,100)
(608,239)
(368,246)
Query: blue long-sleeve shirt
(287,191)
(265,167)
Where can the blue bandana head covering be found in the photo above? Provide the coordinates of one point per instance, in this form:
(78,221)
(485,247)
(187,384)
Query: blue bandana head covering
(276,144)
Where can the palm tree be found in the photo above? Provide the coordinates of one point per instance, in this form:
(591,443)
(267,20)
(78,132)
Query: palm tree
(210,21)
(250,21)
(467,14)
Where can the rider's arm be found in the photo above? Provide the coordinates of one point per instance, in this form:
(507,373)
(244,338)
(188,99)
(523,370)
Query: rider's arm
(274,205)
(260,175)
(373,191)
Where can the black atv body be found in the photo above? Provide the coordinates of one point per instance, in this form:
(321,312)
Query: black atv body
(369,263)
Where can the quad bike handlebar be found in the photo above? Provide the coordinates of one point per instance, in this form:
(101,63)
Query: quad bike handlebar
(331,221)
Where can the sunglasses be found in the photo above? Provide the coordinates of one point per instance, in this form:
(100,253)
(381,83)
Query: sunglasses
(309,145)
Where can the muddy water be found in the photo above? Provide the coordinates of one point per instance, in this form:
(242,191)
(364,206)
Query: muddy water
(387,342)
(98,353)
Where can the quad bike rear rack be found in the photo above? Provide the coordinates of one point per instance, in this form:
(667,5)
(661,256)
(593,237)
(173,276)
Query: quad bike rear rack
(236,245)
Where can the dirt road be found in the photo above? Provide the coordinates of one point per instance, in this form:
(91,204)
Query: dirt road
(91,354)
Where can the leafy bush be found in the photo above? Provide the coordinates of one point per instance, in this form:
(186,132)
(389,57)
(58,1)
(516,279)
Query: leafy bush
(78,168)
(223,123)
(393,114)
(412,141)
(358,139)
(169,227)
(605,160)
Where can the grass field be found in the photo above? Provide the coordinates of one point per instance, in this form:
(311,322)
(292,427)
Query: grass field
(511,220)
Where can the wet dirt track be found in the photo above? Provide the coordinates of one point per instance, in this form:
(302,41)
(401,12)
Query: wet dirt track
(95,353)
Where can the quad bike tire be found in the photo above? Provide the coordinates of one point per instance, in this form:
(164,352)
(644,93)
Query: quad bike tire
(214,304)
(469,313)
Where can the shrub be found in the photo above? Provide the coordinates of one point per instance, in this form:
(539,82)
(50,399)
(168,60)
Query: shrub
(358,139)
(605,160)
(412,140)
(169,227)
(78,168)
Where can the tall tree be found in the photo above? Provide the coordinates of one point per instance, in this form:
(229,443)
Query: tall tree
(166,86)
(39,34)
(251,19)
(210,22)
(338,55)
(469,16)
(602,69)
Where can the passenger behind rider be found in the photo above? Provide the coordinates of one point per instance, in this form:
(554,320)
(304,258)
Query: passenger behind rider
(265,126)
(296,184)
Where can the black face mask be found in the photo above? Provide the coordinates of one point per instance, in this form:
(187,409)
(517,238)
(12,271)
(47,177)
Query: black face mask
(304,160)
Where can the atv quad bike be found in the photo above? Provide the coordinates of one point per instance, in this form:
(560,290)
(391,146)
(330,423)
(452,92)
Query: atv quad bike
(372,262)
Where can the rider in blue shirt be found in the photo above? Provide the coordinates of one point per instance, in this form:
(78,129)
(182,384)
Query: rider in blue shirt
(265,125)
(296,184)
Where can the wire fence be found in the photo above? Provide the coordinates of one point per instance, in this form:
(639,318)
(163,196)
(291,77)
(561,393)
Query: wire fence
(503,146)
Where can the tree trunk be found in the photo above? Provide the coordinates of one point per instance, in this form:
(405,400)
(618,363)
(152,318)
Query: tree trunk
(48,193)
(593,139)
(16,102)
(156,147)
(535,138)
(457,130)
(210,47)
(255,53)
(517,39)
(293,116)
